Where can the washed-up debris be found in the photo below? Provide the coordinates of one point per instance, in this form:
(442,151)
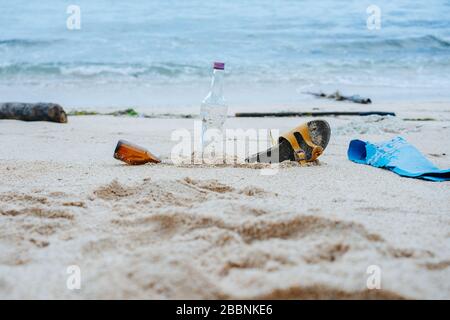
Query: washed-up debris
(398,156)
(420,119)
(83,113)
(338,97)
(127,112)
(311,114)
(130,112)
(33,112)
(303,144)
(133,154)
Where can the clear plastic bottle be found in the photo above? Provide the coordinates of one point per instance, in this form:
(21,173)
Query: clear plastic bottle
(214,109)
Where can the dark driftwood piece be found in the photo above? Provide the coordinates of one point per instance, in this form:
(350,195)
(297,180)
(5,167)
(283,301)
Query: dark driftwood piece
(33,112)
(311,114)
(338,97)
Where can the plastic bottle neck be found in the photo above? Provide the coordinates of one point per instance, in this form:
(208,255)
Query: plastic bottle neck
(217,83)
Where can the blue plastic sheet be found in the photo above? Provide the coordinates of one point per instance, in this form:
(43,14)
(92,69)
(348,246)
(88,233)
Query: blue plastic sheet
(398,156)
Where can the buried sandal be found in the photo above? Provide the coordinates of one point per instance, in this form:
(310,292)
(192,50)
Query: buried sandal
(304,143)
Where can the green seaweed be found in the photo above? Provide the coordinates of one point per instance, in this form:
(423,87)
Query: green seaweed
(130,112)
(83,113)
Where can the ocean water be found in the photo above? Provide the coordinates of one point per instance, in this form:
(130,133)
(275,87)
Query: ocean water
(158,54)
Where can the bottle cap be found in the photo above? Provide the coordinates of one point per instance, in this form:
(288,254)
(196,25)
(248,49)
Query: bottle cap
(219,65)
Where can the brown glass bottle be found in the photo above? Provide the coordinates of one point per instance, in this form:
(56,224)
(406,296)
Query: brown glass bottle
(133,154)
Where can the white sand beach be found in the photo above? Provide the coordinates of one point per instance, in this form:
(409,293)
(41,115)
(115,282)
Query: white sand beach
(203,232)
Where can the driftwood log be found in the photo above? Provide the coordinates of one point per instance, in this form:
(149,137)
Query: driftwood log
(33,112)
(311,114)
(338,97)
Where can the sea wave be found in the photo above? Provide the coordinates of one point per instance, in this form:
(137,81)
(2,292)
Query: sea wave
(409,43)
(86,69)
(369,59)
(170,70)
(26,42)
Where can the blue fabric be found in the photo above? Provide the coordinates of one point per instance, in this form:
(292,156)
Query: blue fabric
(398,156)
